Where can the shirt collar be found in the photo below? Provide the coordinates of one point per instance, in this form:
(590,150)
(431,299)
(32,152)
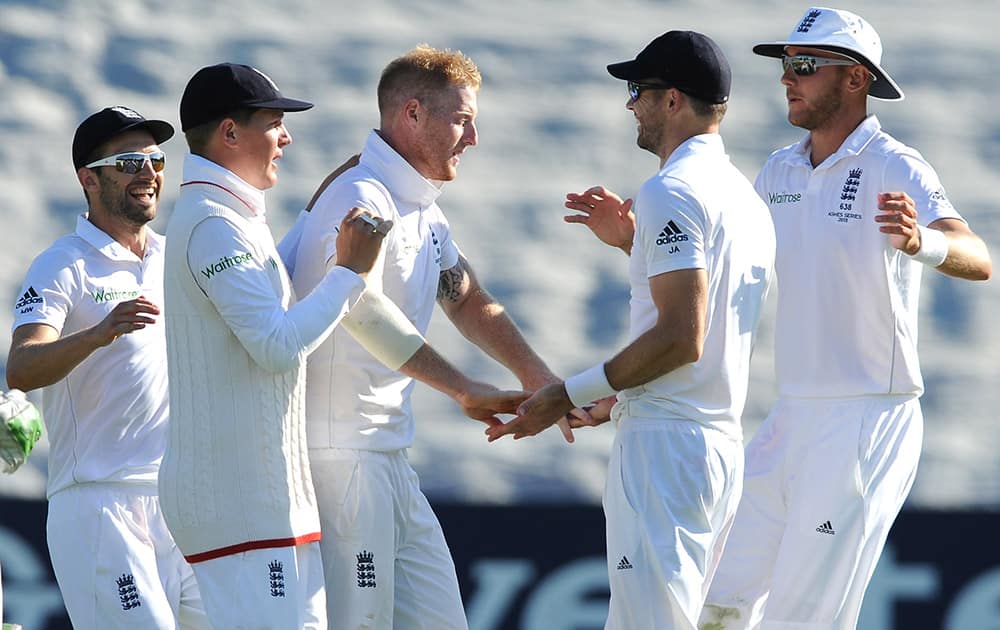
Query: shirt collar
(112,249)
(396,173)
(702,144)
(852,145)
(202,170)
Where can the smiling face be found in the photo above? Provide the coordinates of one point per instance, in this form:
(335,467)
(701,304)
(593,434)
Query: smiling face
(129,198)
(446,127)
(261,140)
(649,119)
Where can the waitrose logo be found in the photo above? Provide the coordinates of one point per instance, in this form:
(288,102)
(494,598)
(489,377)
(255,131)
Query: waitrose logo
(102,295)
(777,198)
(227,262)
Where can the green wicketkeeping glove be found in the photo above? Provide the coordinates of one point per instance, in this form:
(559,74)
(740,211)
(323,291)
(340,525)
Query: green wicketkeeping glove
(20,429)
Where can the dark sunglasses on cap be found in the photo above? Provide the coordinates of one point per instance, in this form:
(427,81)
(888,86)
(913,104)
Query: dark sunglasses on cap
(805,65)
(132,163)
(635,89)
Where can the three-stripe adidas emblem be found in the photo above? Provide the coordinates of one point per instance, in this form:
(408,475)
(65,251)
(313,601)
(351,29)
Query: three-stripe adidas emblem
(29,298)
(671,234)
(624,564)
(826,528)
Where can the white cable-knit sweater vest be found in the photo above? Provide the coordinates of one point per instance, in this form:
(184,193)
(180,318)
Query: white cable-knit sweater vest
(235,475)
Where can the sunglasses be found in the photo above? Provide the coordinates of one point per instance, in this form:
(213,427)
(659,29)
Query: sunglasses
(635,89)
(132,163)
(805,65)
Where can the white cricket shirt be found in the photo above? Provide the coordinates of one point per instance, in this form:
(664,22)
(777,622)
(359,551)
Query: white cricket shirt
(352,400)
(847,300)
(106,419)
(700,212)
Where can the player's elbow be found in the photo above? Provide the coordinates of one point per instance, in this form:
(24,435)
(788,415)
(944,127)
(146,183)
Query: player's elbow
(18,376)
(690,351)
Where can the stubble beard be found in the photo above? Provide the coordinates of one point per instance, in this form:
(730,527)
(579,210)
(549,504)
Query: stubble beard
(120,204)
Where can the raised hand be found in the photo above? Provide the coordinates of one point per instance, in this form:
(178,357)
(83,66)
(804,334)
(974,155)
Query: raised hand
(607,216)
(124,318)
(359,240)
(897,217)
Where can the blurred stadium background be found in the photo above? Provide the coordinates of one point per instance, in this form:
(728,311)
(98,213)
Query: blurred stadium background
(551,120)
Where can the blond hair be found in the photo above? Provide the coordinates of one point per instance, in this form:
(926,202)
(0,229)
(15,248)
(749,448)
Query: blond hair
(423,73)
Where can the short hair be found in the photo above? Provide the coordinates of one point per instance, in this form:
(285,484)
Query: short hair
(199,137)
(705,109)
(423,73)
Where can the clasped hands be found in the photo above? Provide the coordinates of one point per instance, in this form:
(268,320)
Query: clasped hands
(534,412)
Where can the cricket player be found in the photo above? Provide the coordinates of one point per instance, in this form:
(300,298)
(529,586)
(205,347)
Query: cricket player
(88,330)
(235,483)
(701,252)
(858,216)
(386,560)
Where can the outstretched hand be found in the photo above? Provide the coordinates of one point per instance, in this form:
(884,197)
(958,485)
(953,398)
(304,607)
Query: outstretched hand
(607,216)
(545,407)
(483,402)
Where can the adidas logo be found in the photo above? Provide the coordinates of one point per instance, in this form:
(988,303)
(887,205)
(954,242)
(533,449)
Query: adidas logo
(826,528)
(29,298)
(671,234)
(624,564)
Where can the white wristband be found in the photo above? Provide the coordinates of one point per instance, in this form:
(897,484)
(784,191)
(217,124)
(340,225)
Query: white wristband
(588,386)
(933,247)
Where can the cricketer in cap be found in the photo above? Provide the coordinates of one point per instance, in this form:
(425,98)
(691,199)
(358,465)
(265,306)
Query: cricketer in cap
(88,332)
(238,337)
(858,216)
(701,252)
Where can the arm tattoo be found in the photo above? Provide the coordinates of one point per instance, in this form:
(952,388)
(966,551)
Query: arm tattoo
(454,282)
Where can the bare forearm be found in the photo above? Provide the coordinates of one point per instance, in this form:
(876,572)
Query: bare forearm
(430,368)
(31,365)
(653,354)
(967,258)
(485,323)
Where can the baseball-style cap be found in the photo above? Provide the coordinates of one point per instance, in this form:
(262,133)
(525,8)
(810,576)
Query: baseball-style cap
(688,61)
(108,123)
(844,33)
(215,91)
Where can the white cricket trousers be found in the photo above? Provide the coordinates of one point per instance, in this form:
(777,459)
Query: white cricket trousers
(116,563)
(671,495)
(386,561)
(277,588)
(825,480)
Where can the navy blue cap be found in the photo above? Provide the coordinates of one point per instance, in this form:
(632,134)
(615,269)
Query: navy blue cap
(686,60)
(109,122)
(224,88)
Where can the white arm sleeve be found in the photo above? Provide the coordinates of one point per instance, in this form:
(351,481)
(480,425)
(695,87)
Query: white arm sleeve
(243,279)
(383,330)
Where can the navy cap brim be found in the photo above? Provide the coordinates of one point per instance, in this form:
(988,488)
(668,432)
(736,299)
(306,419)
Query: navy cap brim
(627,70)
(283,104)
(159,129)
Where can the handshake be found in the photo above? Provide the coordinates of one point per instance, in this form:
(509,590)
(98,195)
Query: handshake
(20,429)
